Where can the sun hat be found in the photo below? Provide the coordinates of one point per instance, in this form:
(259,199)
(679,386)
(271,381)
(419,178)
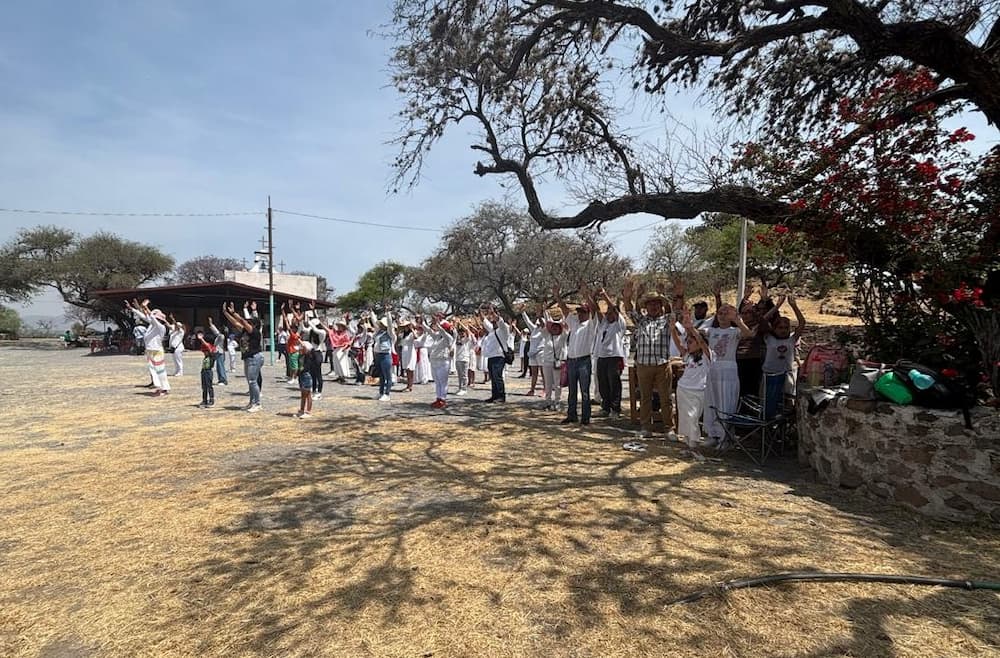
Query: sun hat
(654,297)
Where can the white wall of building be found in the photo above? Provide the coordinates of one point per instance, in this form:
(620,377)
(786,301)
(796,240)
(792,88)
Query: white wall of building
(289,284)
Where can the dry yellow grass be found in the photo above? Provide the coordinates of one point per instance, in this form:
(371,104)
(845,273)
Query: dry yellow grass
(139,527)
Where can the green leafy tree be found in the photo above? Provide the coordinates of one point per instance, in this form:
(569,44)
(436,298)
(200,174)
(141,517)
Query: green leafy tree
(380,288)
(75,266)
(10,322)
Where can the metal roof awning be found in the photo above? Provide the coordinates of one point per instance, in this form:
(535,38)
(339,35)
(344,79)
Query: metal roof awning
(203,295)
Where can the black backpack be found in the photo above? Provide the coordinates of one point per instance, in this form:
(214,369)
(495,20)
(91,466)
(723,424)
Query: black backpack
(944,393)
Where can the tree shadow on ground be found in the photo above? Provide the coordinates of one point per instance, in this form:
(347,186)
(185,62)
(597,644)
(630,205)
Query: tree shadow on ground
(356,510)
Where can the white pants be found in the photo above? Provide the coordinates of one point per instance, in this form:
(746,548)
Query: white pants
(440,371)
(341,365)
(723,393)
(155,361)
(690,406)
(179,361)
(550,376)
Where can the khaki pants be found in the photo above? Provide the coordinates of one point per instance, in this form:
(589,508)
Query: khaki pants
(660,378)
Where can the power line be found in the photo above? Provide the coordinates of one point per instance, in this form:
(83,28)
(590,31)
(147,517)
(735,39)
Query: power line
(358,222)
(130,214)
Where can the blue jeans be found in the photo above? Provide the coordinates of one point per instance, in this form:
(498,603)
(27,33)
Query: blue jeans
(774,394)
(497,389)
(384,362)
(251,367)
(207,392)
(579,370)
(220,367)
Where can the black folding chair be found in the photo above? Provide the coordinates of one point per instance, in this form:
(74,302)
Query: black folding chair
(749,431)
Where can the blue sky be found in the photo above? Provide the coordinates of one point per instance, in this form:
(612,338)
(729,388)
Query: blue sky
(213,106)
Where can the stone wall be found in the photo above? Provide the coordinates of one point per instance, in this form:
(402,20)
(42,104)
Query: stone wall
(922,458)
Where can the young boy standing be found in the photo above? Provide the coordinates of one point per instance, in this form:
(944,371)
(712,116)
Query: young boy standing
(207,365)
(305,381)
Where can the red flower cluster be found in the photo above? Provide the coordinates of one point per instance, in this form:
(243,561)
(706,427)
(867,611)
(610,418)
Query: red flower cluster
(961,135)
(927,169)
(964,293)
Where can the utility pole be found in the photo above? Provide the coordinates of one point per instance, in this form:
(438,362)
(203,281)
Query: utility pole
(270,277)
(742,278)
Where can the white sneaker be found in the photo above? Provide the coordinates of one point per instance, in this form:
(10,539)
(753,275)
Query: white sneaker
(461,392)
(317,396)
(671,436)
(291,380)
(252,409)
(383,398)
(303,414)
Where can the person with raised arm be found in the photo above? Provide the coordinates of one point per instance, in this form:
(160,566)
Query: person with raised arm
(722,389)
(152,339)
(464,341)
(691,385)
(176,342)
(382,346)
(581,330)
(780,343)
(497,335)
(219,342)
(440,341)
(536,330)
(653,334)
(251,340)
(610,349)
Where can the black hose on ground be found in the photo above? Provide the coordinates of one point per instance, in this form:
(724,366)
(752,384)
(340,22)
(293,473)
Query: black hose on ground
(829,577)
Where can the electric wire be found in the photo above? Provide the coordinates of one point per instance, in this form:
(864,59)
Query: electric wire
(89,213)
(358,222)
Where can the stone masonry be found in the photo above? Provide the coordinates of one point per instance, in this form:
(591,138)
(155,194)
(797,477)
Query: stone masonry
(922,458)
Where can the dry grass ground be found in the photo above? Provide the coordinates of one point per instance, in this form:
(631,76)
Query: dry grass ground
(133,526)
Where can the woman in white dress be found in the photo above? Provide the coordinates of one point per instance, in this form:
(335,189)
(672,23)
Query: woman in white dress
(422,372)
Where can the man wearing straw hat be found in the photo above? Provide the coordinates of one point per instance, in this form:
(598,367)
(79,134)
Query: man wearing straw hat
(653,333)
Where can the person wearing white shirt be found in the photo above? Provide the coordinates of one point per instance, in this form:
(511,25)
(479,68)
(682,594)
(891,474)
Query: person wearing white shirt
(610,351)
(464,343)
(440,342)
(494,343)
(582,330)
(536,328)
(177,344)
(552,356)
(152,339)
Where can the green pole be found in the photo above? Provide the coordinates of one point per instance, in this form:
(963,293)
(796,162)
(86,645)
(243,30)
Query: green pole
(270,278)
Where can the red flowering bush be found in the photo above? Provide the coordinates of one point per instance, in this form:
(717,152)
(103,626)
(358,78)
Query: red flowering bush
(898,201)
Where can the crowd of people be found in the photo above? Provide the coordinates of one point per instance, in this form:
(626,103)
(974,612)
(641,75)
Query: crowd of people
(684,359)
